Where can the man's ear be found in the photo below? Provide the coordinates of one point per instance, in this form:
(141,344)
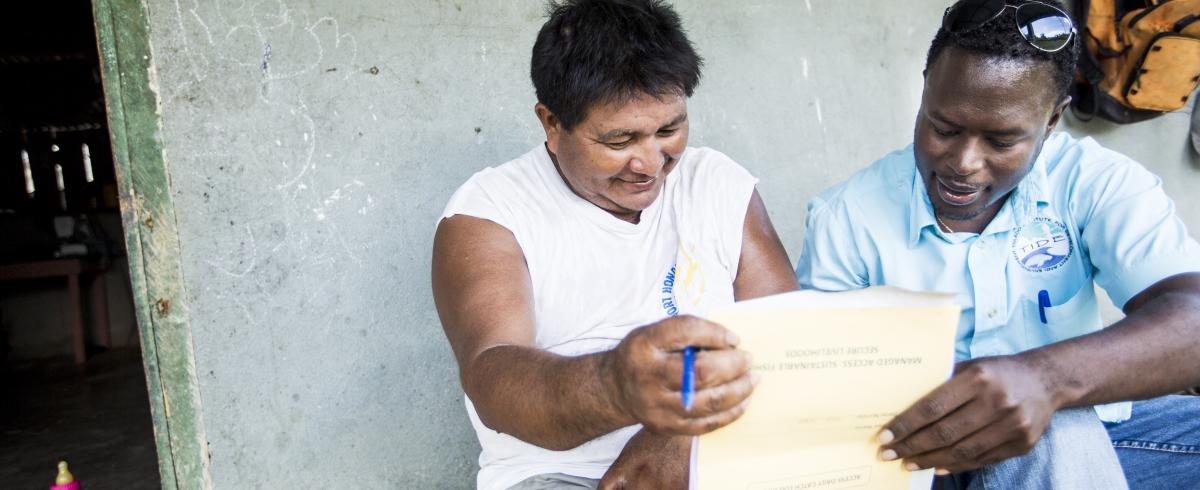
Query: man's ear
(1056,116)
(550,124)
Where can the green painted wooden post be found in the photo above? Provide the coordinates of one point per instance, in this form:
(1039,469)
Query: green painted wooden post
(152,241)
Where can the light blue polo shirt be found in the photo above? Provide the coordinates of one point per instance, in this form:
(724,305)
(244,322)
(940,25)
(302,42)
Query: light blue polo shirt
(1083,213)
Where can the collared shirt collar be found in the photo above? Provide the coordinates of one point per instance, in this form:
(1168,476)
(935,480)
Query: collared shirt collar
(920,209)
(1032,192)
(1023,203)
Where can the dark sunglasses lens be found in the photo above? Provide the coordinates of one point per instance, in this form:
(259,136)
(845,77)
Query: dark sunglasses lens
(969,14)
(1043,26)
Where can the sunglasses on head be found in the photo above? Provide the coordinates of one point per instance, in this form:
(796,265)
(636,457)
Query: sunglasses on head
(1043,26)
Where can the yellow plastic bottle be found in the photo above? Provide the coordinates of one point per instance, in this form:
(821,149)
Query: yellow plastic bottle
(65,480)
(64,475)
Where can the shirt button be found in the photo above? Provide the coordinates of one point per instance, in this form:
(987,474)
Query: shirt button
(992,313)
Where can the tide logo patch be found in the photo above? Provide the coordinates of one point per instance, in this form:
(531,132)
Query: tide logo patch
(1042,245)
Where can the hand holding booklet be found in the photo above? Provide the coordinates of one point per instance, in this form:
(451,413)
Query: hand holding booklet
(835,367)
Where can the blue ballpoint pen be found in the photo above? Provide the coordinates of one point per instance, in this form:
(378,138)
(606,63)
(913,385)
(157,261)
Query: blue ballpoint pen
(688,384)
(1043,303)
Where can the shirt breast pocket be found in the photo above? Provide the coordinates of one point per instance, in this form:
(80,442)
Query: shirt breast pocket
(1078,315)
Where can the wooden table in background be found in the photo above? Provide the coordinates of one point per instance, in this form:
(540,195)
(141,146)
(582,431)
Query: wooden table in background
(74,269)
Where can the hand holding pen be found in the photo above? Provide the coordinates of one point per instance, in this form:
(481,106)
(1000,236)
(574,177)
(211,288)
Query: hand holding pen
(649,383)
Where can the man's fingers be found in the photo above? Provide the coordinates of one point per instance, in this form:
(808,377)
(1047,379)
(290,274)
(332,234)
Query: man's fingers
(704,425)
(969,453)
(715,368)
(1000,453)
(717,399)
(612,483)
(678,332)
(959,367)
(943,433)
(712,368)
(609,483)
(674,421)
(932,407)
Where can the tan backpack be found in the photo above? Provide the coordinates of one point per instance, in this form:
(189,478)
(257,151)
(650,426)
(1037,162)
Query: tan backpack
(1142,57)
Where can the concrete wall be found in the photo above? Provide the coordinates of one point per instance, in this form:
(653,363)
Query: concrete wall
(312,144)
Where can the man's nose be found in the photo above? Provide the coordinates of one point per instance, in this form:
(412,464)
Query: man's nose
(648,159)
(967,158)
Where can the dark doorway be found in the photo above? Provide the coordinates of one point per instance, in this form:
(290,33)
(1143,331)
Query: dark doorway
(71,380)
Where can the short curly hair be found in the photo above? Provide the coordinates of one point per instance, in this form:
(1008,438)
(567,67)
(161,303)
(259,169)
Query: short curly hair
(593,52)
(999,38)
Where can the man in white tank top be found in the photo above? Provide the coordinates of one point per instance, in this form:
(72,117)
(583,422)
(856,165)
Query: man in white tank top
(569,280)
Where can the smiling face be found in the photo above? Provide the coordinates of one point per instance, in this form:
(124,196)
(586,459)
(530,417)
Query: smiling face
(980,128)
(619,156)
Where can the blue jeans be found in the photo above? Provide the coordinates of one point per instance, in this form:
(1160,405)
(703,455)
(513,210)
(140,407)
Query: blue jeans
(1159,446)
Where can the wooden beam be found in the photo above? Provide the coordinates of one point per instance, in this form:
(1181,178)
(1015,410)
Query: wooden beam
(152,241)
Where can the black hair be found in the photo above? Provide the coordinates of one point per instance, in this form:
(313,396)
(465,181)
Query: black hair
(593,52)
(999,38)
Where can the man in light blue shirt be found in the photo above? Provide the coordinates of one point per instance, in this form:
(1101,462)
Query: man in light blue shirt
(1020,222)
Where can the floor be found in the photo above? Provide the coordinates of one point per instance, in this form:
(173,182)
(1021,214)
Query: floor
(96,417)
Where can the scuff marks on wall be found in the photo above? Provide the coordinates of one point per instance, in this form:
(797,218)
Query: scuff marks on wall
(308,177)
(266,60)
(221,41)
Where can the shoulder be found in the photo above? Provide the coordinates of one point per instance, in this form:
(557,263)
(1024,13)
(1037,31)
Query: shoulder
(1083,171)
(512,179)
(1065,154)
(520,172)
(503,193)
(698,164)
(710,179)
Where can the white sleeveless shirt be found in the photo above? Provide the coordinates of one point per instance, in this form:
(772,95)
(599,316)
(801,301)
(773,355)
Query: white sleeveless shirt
(596,277)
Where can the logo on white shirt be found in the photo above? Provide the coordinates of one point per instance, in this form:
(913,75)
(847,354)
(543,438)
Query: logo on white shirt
(1042,245)
(668,293)
(685,284)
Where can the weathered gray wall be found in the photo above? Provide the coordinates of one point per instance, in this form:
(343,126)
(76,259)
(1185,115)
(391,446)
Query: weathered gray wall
(312,144)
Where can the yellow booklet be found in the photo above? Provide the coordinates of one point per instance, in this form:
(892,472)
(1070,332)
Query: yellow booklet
(835,367)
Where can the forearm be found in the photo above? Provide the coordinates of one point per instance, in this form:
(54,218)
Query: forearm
(551,401)
(1152,352)
(651,460)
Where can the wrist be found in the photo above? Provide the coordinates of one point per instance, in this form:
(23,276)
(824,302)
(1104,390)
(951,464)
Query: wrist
(608,377)
(1060,384)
